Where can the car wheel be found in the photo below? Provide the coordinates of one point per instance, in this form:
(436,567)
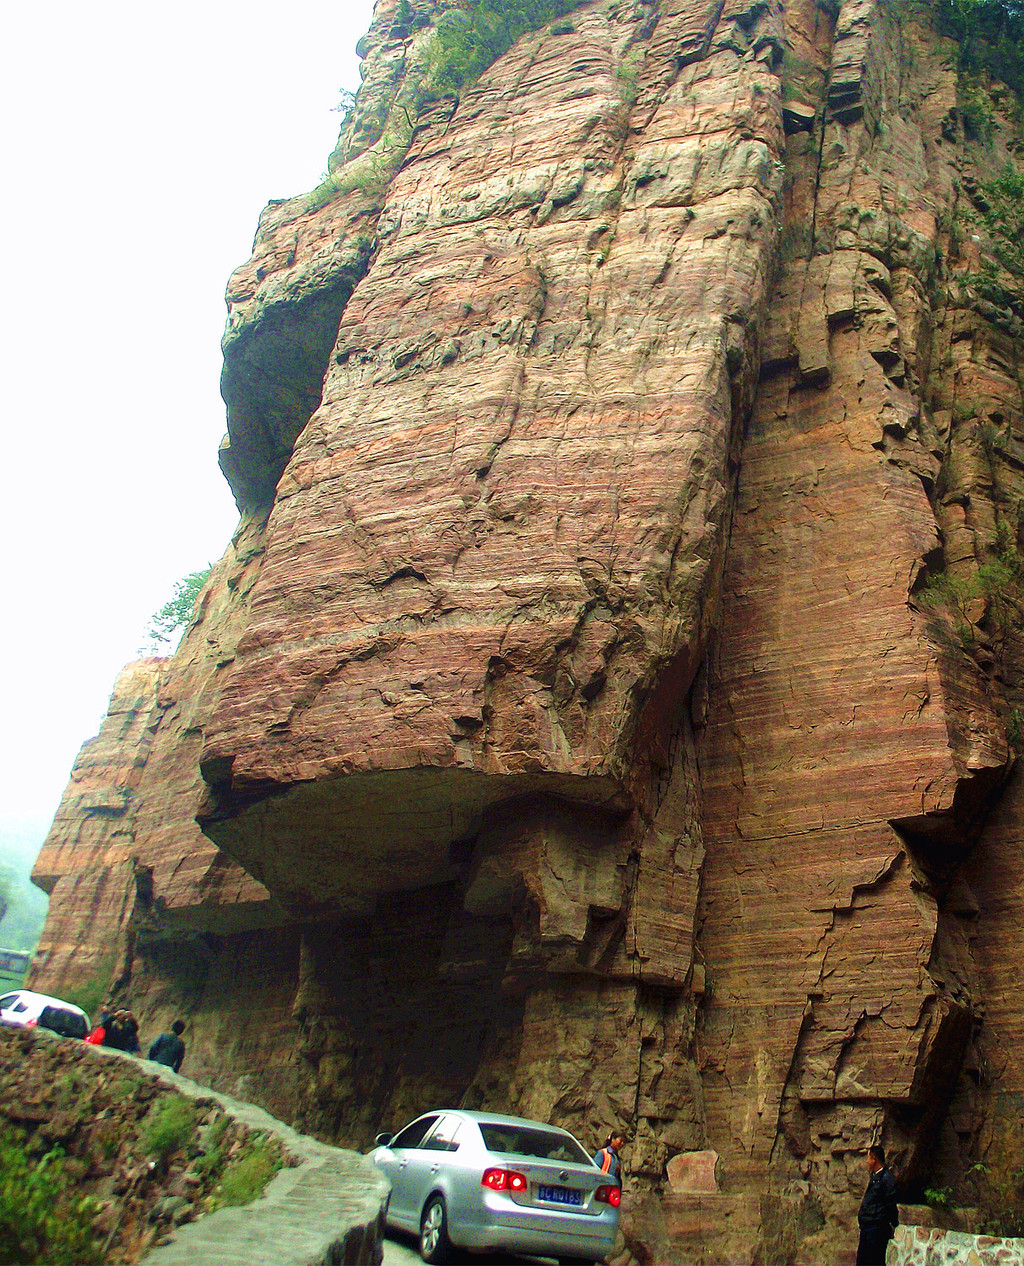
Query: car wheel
(435,1246)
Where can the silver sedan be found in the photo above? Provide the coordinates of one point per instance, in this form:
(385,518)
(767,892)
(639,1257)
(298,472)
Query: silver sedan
(495,1183)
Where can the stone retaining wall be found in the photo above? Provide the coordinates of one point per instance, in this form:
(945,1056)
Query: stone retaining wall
(932,1246)
(326,1211)
(325,1208)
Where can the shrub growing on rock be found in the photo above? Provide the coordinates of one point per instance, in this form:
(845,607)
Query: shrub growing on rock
(989,35)
(42,1216)
(247,1175)
(170,1127)
(471,38)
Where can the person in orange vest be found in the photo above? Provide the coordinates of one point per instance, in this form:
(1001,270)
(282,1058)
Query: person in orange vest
(607,1157)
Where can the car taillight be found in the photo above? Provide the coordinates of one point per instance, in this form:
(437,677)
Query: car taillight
(31,1024)
(609,1195)
(504,1180)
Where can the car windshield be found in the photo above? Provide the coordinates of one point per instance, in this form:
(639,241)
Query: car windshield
(520,1140)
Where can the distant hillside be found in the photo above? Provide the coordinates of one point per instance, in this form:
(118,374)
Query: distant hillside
(22,905)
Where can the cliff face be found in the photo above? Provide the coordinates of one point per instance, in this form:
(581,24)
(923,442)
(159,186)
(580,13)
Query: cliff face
(602,711)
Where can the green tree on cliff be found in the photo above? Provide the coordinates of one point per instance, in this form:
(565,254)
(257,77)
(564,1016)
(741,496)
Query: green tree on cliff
(990,36)
(175,614)
(470,38)
(1004,220)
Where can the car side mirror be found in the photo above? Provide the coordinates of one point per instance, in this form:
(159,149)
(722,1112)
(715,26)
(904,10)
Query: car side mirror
(383,1140)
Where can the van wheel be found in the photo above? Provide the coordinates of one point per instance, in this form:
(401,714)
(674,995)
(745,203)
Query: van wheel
(435,1246)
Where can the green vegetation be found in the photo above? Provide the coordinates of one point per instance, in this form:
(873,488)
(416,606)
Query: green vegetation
(938,1197)
(628,73)
(372,170)
(25,912)
(240,1177)
(169,1126)
(464,43)
(248,1173)
(470,39)
(975,106)
(994,1198)
(999,581)
(1003,219)
(1015,729)
(1001,1203)
(175,614)
(212,1159)
(94,990)
(990,37)
(996,581)
(953,595)
(42,1218)
(346,104)
(990,47)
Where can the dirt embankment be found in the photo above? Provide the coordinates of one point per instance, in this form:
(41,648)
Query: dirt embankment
(149,1158)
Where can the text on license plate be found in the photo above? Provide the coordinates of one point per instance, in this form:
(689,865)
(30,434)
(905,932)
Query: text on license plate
(560,1195)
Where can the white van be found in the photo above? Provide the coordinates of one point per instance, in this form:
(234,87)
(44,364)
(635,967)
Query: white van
(25,1009)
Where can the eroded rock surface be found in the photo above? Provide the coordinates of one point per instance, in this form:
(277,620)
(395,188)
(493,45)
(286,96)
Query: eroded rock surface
(488,553)
(607,708)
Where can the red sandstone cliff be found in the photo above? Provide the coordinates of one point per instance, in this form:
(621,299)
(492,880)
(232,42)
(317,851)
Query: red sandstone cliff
(575,723)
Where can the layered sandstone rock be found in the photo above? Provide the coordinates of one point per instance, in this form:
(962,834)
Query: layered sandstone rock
(487,558)
(600,710)
(850,748)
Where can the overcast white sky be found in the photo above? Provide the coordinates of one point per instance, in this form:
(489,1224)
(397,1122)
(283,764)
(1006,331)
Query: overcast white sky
(140,143)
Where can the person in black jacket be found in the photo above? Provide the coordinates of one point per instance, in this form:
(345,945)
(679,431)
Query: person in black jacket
(114,1030)
(878,1216)
(130,1038)
(168,1048)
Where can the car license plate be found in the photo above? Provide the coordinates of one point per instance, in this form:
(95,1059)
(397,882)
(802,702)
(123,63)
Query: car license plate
(560,1195)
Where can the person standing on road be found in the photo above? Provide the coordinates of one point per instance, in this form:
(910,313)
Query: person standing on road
(130,1040)
(168,1048)
(878,1216)
(114,1031)
(606,1158)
